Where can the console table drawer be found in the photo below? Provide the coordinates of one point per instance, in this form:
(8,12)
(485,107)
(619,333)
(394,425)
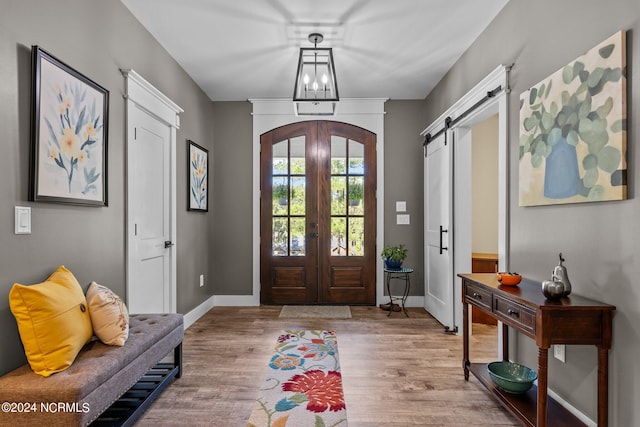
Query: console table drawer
(518,315)
(478,296)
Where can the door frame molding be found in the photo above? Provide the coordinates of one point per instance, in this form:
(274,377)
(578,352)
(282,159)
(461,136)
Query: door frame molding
(461,214)
(269,114)
(139,93)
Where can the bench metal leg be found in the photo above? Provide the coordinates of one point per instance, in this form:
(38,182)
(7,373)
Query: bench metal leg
(177,359)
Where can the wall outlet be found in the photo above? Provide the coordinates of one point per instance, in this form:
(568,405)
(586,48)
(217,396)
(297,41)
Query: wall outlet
(559,351)
(201,280)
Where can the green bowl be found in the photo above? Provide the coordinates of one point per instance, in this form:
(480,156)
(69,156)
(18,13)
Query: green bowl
(511,377)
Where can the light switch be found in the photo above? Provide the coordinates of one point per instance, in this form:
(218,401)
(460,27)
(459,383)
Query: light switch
(403,219)
(401,206)
(23,220)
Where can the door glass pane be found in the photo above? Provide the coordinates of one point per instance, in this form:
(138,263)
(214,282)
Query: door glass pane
(297,236)
(356,158)
(279,239)
(338,155)
(280,195)
(298,194)
(347,197)
(297,155)
(356,195)
(338,236)
(356,236)
(338,195)
(280,158)
(289,197)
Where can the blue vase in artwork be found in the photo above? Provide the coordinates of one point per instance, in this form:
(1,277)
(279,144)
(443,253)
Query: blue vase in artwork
(561,176)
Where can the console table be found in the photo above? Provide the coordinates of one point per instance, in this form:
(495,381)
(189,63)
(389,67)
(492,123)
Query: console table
(573,320)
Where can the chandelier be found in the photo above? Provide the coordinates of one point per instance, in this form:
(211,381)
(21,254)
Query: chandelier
(316,89)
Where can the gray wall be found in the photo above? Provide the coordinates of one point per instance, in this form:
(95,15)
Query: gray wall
(599,240)
(97,38)
(403,181)
(232,234)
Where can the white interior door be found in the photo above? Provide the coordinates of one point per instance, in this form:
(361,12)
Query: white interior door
(150,214)
(438,242)
(152,122)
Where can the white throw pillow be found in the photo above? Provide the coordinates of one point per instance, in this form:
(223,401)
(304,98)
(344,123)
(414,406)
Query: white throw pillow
(109,315)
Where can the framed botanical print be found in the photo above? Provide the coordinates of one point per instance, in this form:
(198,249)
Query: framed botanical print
(198,167)
(69,127)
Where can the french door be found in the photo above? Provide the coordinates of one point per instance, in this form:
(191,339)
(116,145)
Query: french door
(317,214)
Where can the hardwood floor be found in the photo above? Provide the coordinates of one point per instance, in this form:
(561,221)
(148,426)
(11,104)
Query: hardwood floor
(396,371)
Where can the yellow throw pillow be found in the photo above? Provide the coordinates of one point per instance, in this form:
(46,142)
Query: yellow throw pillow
(109,315)
(53,321)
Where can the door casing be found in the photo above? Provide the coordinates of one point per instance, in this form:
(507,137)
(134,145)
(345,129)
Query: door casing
(270,114)
(461,200)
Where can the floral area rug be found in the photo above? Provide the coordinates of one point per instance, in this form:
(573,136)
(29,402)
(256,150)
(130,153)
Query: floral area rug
(303,385)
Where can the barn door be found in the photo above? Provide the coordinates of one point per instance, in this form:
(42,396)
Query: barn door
(438,241)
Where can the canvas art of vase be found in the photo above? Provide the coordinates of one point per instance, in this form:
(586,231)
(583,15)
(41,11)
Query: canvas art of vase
(573,137)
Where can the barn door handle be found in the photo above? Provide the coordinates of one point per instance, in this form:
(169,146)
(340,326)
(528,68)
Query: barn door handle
(442,248)
(168,244)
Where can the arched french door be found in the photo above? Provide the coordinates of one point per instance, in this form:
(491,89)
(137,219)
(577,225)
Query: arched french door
(318,214)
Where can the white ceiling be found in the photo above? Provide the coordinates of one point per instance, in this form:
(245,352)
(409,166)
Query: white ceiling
(248,49)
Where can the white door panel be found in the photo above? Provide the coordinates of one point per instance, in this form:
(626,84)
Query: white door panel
(438,268)
(150,186)
(152,272)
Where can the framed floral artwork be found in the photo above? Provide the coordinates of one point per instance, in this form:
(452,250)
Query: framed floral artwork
(69,124)
(198,167)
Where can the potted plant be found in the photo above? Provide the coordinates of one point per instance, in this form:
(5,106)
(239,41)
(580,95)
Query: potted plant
(356,193)
(281,193)
(393,256)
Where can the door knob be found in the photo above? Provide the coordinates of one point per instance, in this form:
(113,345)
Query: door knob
(168,243)
(313,235)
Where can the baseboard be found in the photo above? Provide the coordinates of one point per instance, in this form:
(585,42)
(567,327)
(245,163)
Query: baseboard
(191,317)
(252,301)
(582,417)
(236,300)
(412,301)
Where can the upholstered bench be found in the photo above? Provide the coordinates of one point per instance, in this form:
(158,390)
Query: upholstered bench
(99,376)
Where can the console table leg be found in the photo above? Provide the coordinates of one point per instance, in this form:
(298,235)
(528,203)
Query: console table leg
(603,387)
(543,362)
(465,339)
(505,342)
